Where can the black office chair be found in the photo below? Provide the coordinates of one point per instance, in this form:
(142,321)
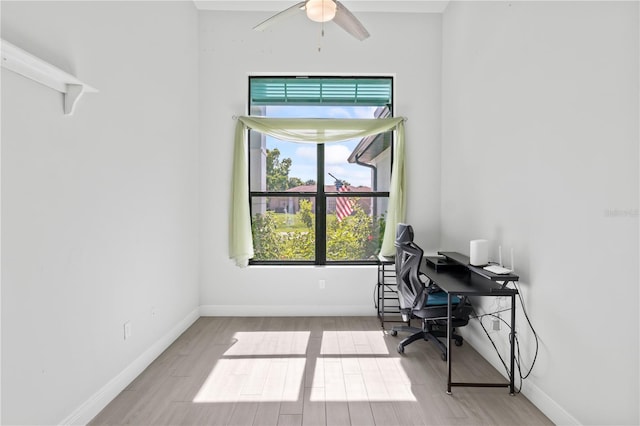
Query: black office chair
(419,298)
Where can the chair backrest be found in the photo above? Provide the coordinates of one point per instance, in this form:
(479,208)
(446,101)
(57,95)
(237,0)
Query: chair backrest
(404,234)
(411,290)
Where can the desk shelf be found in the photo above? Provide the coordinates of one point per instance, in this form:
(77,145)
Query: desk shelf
(387,306)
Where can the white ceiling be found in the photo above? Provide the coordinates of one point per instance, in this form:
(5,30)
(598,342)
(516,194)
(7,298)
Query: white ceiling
(410,6)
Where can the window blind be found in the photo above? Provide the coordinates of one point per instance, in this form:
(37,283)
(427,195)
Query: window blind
(371,91)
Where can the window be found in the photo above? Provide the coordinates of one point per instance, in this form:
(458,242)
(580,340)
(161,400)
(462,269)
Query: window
(319,203)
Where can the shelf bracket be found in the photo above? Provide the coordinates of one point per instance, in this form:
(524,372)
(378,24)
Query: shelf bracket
(71,97)
(34,68)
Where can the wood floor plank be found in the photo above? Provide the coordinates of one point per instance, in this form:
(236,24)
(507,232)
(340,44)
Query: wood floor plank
(257,377)
(360,413)
(313,413)
(338,413)
(334,387)
(355,388)
(408,413)
(276,376)
(375,386)
(292,400)
(243,414)
(267,414)
(116,410)
(314,372)
(290,420)
(175,413)
(216,414)
(384,414)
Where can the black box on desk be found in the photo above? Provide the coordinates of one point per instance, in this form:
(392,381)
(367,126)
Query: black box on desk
(440,263)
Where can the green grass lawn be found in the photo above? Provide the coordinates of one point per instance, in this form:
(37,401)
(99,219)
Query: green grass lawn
(288,222)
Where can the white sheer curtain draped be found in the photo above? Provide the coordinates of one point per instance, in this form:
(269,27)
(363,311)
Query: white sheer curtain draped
(314,131)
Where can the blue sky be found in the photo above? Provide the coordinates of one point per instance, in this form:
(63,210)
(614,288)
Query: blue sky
(303,156)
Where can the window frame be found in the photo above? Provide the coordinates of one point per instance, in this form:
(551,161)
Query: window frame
(321,196)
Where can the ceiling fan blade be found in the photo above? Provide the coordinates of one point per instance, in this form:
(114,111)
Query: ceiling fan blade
(293,10)
(348,22)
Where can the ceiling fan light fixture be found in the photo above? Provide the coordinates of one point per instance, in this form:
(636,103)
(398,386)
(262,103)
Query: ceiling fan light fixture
(321,10)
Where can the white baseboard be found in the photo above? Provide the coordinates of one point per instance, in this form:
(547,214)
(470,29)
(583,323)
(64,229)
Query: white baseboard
(548,406)
(91,407)
(287,310)
(557,414)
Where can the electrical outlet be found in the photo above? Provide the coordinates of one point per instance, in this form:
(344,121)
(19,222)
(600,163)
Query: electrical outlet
(321,284)
(496,324)
(127,330)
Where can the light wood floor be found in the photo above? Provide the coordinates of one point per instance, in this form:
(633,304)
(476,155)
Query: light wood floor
(310,371)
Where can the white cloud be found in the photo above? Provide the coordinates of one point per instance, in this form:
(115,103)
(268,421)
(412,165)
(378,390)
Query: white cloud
(336,154)
(303,171)
(339,112)
(364,112)
(307,152)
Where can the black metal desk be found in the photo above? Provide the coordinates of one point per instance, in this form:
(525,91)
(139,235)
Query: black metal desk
(463,279)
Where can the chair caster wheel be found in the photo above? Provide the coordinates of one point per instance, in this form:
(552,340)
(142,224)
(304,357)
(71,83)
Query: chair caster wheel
(458,342)
(393,332)
(400,349)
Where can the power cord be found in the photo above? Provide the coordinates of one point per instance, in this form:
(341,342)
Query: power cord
(504,364)
(375,296)
(518,360)
(386,287)
(526,315)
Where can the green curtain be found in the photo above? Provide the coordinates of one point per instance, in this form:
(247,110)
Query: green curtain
(309,130)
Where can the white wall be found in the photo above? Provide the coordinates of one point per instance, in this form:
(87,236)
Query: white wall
(99,210)
(540,153)
(407,45)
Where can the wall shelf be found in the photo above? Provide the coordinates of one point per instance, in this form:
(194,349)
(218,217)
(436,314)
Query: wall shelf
(30,66)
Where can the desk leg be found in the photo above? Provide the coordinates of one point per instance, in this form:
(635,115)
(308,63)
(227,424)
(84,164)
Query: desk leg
(449,332)
(381,296)
(512,338)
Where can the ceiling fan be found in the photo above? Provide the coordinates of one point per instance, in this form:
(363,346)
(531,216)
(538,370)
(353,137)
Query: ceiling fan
(321,11)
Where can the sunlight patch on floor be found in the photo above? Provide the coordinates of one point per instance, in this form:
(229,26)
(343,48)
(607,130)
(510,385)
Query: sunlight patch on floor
(265,366)
(253,379)
(352,342)
(284,343)
(360,379)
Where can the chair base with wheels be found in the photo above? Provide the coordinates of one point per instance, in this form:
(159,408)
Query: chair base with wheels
(430,331)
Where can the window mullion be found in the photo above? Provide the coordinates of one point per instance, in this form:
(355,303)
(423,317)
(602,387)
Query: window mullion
(321,209)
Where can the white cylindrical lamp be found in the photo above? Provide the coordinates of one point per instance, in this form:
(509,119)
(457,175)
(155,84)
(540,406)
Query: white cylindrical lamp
(479,252)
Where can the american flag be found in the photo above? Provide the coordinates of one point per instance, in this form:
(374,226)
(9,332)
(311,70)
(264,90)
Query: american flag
(343,204)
